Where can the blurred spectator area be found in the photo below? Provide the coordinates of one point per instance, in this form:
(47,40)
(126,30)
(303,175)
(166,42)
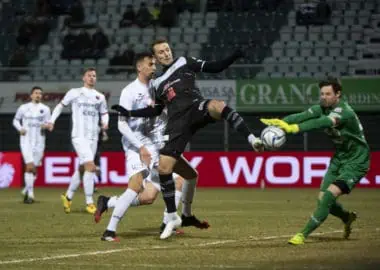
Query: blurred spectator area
(340,37)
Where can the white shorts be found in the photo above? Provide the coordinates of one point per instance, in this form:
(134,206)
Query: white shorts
(85,149)
(134,164)
(32,154)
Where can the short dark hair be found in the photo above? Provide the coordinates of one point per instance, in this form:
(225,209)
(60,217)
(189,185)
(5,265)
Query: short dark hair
(34,88)
(156,42)
(89,69)
(334,82)
(140,56)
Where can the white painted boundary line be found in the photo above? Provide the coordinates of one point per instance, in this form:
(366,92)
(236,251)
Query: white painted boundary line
(101,252)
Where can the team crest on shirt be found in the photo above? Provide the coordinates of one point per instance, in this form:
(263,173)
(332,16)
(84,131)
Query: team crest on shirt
(97,97)
(41,111)
(338,110)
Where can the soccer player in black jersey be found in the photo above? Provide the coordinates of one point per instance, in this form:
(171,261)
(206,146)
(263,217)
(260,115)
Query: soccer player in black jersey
(188,112)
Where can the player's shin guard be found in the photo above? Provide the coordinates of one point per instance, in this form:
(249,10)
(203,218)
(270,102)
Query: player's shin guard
(122,204)
(236,121)
(74,184)
(168,192)
(88,185)
(320,214)
(188,191)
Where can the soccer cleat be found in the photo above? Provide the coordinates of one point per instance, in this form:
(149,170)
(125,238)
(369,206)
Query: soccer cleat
(91,208)
(193,221)
(101,207)
(27,199)
(66,203)
(298,239)
(170,226)
(352,216)
(258,145)
(176,231)
(110,236)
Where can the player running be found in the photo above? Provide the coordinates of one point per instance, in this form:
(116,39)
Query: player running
(348,165)
(188,112)
(31,122)
(86,105)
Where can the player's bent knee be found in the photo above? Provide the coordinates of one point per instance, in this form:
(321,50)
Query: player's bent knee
(320,195)
(90,166)
(340,187)
(165,169)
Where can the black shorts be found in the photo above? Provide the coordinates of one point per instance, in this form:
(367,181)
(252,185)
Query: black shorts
(180,129)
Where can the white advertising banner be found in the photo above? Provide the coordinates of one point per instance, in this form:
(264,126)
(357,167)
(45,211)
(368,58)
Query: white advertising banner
(12,95)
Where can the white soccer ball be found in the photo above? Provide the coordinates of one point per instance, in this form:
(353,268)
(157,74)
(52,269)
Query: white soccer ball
(273,137)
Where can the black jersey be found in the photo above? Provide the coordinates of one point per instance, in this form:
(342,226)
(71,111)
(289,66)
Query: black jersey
(176,88)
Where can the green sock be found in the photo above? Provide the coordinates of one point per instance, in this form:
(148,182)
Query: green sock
(320,214)
(337,210)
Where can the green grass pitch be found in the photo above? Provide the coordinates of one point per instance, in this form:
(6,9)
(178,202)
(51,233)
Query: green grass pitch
(249,230)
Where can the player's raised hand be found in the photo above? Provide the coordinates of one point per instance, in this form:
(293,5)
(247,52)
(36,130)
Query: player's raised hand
(121,110)
(145,155)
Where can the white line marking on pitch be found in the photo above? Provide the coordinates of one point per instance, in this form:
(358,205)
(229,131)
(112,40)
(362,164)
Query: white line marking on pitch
(101,252)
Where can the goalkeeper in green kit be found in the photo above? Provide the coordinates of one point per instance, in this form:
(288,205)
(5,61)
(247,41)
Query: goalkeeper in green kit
(348,165)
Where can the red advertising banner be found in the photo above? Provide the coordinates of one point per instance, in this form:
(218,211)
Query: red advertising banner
(10,169)
(216,169)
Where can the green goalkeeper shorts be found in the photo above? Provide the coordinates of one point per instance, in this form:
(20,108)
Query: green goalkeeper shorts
(348,173)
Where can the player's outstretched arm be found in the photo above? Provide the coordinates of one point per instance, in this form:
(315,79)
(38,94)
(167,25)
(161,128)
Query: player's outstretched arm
(321,122)
(312,112)
(220,65)
(150,111)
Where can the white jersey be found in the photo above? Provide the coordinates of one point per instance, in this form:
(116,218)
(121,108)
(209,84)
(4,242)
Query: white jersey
(86,105)
(149,131)
(31,116)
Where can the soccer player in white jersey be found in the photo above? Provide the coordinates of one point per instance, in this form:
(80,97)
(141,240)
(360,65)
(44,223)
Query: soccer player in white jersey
(31,121)
(140,141)
(86,106)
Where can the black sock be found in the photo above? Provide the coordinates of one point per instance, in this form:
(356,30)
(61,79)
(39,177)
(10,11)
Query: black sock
(236,121)
(168,191)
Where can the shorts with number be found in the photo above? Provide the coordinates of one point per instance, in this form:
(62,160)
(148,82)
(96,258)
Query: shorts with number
(85,149)
(181,128)
(348,172)
(32,154)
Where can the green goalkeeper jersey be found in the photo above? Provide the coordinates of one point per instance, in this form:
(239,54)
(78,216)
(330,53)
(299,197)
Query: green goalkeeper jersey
(347,134)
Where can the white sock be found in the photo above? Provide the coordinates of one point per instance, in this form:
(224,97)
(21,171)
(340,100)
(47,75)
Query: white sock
(188,191)
(29,182)
(88,185)
(178,196)
(136,201)
(112,202)
(74,184)
(251,138)
(121,207)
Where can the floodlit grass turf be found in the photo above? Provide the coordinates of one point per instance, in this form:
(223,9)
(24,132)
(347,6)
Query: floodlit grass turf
(249,230)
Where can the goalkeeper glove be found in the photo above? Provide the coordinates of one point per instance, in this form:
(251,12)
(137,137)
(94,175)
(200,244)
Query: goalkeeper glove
(294,128)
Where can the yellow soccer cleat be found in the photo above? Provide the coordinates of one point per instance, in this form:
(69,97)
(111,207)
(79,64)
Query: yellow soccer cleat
(66,204)
(91,208)
(298,239)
